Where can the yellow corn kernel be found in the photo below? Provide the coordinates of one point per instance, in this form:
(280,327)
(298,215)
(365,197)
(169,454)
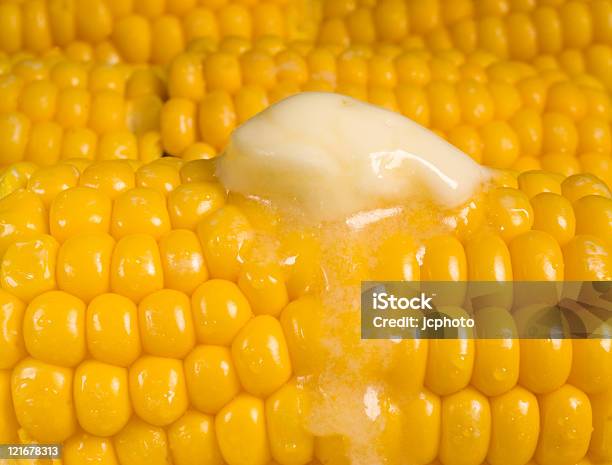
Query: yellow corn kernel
(261,356)
(599,448)
(566,98)
(450,362)
(500,144)
(391,20)
(258,68)
(14,132)
(22,216)
(35,23)
(511,212)
(566,419)
(515,427)
(10,90)
(476,104)
(79,210)
(106,77)
(83,447)
(101,397)
(396,260)
(11,27)
(533,92)
(444,105)
(496,362)
(118,145)
(412,102)
(598,103)
(488,258)
(79,51)
(28,267)
(548,25)
(560,163)
(533,183)
(216,119)
(42,398)
(444,260)
(182,261)
(599,165)
(167,39)
(136,267)
(45,143)
(73,108)
(192,440)
(559,134)
(111,177)
(54,328)
(140,210)
(177,123)
(594,216)
(186,77)
(48,182)
(107,112)
(211,378)
(93,20)
(145,81)
(466,428)
(241,432)
(536,256)
(159,176)
(331,450)
(166,327)
(594,135)
(527,125)
(226,236)
(492,36)
(580,185)
(132,37)
(248,101)
(299,320)
(220,310)
(12,348)
(290,442)
(140,443)
(157,389)
(8,422)
(200,23)
(83,264)
(591,358)
(112,330)
(38,100)
(264,287)
(79,143)
(587,258)
(554,215)
(222,72)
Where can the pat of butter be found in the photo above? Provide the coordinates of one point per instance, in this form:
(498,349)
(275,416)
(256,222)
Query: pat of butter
(331,156)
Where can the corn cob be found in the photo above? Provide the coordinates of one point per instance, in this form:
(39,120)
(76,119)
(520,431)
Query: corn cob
(168,324)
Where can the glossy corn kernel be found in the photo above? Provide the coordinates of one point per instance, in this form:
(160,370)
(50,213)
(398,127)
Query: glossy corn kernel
(140,211)
(136,267)
(101,397)
(192,439)
(140,443)
(566,418)
(554,215)
(85,447)
(261,356)
(515,427)
(512,212)
(211,378)
(79,210)
(112,330)
(241,432)
(157,389)
(54,328)
(42,396)
(166,327)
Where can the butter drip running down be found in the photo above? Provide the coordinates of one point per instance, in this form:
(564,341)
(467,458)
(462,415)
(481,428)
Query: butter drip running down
(332,156)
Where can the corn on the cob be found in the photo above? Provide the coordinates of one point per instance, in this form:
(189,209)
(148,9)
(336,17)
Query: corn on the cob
(139,320)
(100,310)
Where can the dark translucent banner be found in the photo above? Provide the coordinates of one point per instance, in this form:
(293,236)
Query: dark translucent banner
(486,310)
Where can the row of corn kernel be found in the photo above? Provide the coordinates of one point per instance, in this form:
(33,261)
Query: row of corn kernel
(520,35)
(141,31)
(500,427)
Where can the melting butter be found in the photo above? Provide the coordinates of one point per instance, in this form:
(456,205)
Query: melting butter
(331,156)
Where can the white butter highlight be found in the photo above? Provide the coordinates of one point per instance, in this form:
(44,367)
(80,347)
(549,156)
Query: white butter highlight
(332,156)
